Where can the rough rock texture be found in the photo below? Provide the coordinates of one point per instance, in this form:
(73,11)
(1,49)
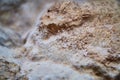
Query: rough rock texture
(74,41)
(9,69)
(52,71)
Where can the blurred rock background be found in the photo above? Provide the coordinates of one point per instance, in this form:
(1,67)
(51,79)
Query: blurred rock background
(16,18)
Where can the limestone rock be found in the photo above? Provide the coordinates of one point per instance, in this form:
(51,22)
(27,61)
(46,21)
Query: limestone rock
(79,38)
(9,69)
(52,71)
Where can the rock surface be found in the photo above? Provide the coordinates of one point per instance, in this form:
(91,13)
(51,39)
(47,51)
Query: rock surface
(9,67)
(83,35)
(9,38)
(73,40)
(52,71)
